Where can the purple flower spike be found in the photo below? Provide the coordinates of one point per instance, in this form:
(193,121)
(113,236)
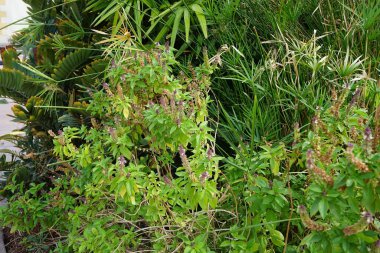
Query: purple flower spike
(368,216)
(204,176)
(112,132)
(167,181)
(122,161)
(181,151)
(368,134)
(210,153)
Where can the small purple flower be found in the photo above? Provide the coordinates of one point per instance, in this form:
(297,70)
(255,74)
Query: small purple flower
(180,106)
(181,151)
(163,101)
(106,85)
(354,97)
(377,244)
(122,161)
(159,57)
(60,132)
(204,177)
(112,132)
(113,64)
(90,92)
(309,160)
(167,181)
(368,134)
(368,216)
(51,133)
(314,120)
(210,153)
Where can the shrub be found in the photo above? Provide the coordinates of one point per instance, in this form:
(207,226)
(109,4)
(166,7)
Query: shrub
(144,175)
(342,160)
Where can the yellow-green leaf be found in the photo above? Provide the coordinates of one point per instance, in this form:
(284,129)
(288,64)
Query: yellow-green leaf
(122,190)
(126,112)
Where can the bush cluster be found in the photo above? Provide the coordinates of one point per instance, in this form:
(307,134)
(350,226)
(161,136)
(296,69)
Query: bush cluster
(270,145)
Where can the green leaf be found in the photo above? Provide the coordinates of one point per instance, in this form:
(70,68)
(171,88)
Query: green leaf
(165,29)
(277,238)
(186,18)
(177,21)
(111,8)
(126,112)
(122,190)
(201,18)
(225,244)
(323,206)
(315,188)
(368,198)
(275,165)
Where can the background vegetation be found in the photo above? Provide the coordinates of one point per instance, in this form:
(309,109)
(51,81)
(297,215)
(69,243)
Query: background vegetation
(196,126)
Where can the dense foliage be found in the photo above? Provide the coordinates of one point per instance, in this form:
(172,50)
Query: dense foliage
(270,144)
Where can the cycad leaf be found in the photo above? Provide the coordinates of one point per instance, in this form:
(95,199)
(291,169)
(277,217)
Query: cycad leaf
(93,71)
(12,85)
(70,64)
(69,120)
(11,79)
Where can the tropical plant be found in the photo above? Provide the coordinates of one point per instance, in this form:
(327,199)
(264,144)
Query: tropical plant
(49,85)
(152,20)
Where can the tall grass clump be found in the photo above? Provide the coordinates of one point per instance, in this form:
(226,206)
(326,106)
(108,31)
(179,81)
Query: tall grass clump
(280,72)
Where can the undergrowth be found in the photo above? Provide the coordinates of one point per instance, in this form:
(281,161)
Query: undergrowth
(270,144)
